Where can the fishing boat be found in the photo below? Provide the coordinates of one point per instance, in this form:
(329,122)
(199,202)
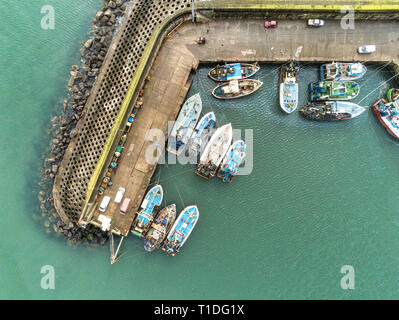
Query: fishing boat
(342,71)
(214,152)
(392,94)
(231,162)
(331,110)
(181,230)
(160,228)
(333,90)
(236,89)
(184,126)
(233,71)
(202,133)
(387,113)
(149,208)
(289,86)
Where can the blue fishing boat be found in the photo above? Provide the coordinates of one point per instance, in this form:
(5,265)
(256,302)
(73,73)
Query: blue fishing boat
(184,125)
(149,208)
(202,133)
(160,228)
(234,157)
(342,71)
(181,230)
(289,86)
(233,71)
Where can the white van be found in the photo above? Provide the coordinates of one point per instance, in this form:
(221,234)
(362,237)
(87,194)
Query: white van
(367,48)
(119,195)
(104,204)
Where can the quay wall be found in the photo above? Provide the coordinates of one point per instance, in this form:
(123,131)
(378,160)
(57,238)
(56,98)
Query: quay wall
(127,64)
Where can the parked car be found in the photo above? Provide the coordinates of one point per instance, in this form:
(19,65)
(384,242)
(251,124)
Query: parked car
(125,206)
(367,48)
(130,121)
(315,22)
(271,24)
(119,195)
(104,203)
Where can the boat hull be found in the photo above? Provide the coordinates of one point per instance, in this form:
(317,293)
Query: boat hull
(233,71)
(392,94)
(333,90)
(234,157)
(184,125)
(389,126)
(242,89)
(202,133)
(181,230)
(332,111)
(343,71)
(160,228)
(214,152)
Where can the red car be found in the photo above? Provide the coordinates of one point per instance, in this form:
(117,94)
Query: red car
(271,24)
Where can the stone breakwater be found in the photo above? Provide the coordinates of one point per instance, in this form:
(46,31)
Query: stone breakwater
(82,79)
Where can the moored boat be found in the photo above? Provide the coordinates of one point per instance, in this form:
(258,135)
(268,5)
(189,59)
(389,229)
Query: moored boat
(342,71)
(393,94)
(236,89)
(148,211)
(181,230)
(231,162)
(184,125)
(289,86)
(387,113)
(333,90)
(214,152)
(331,110)
(233,71)
(160,228)
(202,133)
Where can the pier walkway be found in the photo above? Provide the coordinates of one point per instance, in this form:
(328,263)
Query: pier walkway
(163,96)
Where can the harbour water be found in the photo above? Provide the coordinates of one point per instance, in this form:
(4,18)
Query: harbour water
(320,195)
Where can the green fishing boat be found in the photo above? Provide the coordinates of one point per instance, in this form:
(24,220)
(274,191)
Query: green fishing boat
(333,90)
(393,94)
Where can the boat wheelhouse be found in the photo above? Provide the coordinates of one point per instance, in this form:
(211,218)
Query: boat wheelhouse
(149,208)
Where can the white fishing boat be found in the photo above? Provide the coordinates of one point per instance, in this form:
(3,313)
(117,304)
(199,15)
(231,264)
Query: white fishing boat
(185,123)
(214,152)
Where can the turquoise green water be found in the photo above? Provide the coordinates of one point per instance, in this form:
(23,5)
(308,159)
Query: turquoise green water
(320,196)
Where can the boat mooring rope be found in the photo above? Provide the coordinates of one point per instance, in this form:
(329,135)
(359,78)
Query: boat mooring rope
(395,75)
